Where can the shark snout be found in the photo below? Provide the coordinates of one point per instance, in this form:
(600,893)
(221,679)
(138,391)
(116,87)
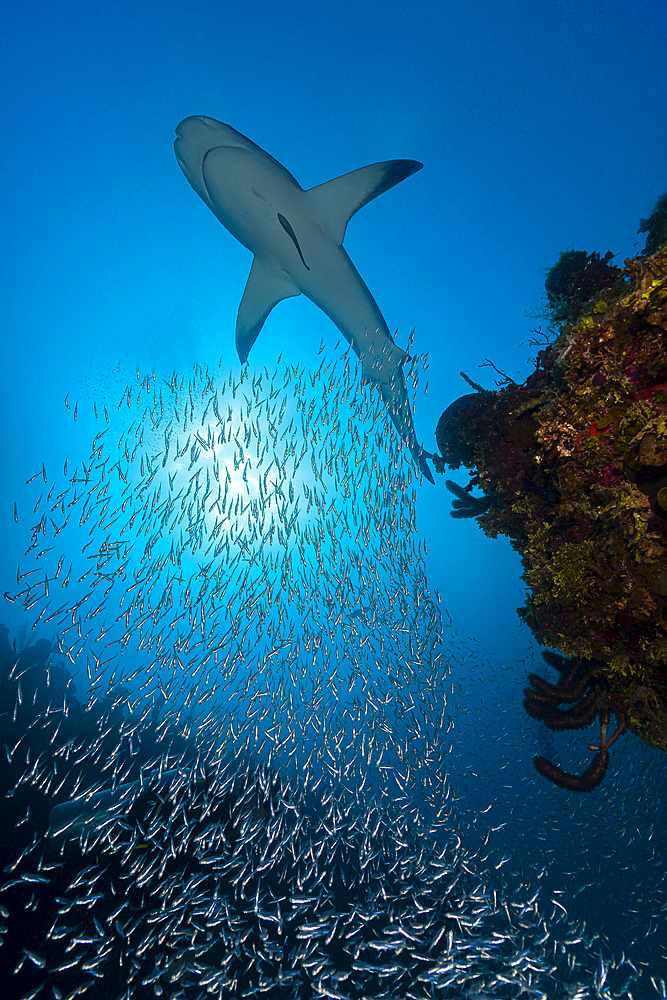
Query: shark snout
(196,126)
(196,136)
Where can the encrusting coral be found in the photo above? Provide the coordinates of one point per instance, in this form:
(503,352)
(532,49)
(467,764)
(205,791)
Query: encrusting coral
(572,465)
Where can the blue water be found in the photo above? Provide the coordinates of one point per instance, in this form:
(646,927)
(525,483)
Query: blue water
(541,127)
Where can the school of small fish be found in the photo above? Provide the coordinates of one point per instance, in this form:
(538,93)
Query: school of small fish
(259,803)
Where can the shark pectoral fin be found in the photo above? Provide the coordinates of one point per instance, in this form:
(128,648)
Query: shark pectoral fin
(266,286)
(335,202)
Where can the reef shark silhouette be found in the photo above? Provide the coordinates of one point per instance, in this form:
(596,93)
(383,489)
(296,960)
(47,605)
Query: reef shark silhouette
(296,237)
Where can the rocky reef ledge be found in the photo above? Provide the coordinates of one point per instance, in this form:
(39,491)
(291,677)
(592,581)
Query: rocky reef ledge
(572,465)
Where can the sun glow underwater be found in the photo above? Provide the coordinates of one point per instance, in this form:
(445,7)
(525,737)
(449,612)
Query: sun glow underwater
(256,520)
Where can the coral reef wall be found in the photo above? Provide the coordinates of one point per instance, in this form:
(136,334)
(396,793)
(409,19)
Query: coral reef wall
(573,467)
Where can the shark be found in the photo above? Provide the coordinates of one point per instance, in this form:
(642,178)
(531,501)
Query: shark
(296,237)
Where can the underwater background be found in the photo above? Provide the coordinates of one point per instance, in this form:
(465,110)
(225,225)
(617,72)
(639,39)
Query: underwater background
(294,727)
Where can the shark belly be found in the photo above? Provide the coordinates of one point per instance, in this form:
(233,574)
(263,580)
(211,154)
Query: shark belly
(344,297)
(246,197)
(337,288)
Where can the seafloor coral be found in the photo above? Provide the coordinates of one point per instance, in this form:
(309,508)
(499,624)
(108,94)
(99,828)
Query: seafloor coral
(573,468)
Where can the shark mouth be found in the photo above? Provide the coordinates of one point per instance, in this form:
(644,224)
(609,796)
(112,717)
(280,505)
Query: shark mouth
(201,171)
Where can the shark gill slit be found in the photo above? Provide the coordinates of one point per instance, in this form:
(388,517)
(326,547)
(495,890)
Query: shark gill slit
(292,235)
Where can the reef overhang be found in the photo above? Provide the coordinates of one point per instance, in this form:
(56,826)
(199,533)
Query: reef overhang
(573,468)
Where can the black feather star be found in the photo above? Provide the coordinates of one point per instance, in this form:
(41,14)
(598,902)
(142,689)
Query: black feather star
(581,686)
(466,505)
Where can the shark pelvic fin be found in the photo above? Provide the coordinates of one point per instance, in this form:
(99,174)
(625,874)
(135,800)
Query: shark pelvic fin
(383,366)
(265,287)
(424,466)
(335,202)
